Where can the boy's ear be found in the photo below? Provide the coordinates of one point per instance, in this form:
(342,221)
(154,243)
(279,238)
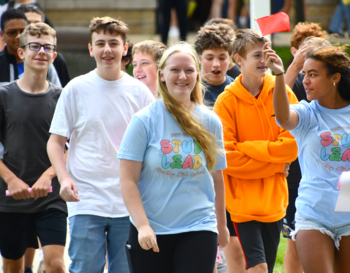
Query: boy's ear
(54,56)
(20,53)
(238,59)
(125,51)
(90,50)
(293,50)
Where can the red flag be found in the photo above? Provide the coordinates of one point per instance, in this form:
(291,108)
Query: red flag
(274,23)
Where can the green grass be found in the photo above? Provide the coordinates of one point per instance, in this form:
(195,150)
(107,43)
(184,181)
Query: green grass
(280,255)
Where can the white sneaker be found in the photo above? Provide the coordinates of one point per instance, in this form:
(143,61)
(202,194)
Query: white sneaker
(41,267)
(174,32)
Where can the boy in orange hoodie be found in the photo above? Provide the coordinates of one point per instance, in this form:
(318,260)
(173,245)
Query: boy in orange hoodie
(258,154)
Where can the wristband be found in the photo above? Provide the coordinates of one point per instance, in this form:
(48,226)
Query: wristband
(279,74)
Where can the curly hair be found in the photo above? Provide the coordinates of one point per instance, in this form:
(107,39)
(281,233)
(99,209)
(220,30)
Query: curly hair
(187,122)
(335,61)
(225,21)
(303,30)
(214,36)
(108,24)
(36,30)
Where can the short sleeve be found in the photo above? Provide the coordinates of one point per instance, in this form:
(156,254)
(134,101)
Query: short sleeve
(62,121)
(135,141)
(304,111)
(217,131)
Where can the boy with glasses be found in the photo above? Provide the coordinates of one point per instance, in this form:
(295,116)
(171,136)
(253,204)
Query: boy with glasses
(26,110)
(13,22)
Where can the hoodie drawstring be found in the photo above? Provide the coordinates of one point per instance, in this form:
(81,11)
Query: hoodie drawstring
(256,106)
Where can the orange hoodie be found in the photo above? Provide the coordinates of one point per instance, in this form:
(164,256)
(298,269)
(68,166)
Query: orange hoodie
(256,152)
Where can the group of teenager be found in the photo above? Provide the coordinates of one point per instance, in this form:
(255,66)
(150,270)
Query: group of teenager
(159,169)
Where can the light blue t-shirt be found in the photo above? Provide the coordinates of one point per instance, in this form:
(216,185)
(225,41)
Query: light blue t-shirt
(176,188)
(323,139)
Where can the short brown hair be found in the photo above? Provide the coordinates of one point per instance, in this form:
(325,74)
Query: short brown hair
(37,29)
(214,36)
(108,24)
(245,38)
(225,21)
(303,30)
(153,48)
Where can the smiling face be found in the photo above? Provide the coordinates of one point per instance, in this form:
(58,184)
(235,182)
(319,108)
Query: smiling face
(37,60)
(253,64)
(318,85)
(214,64)
(11,33)
(180,76)
(107,49)
(145,70)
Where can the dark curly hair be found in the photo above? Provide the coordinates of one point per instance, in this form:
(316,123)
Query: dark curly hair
(335,61)
(214,36)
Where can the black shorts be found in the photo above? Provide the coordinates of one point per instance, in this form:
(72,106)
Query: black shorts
(19,231)
(230,226)
(289,219)
(259,242)
(187,252)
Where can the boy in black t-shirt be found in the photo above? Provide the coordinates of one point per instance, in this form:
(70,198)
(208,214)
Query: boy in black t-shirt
(26,110)
(214,47)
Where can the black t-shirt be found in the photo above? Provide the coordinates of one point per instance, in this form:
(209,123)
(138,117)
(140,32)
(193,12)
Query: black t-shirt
(234,72)
(213,91)
(25,120)
(294,176)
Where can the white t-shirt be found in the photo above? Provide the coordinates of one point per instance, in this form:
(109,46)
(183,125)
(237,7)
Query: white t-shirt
(94,114)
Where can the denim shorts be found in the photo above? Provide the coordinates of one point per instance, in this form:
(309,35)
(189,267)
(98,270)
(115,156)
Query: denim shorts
(91,237)
(334,232)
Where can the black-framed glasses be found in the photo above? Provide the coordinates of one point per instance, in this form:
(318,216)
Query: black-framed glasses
(14,32)
(48,48)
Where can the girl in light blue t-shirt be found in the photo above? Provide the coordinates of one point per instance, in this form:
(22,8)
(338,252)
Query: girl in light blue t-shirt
(322,131)
(171,174)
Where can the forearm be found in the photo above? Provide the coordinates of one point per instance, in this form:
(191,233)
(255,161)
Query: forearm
(5,173)
(292,74)
(220,206)
(57,158)
(281,101)
(133,202)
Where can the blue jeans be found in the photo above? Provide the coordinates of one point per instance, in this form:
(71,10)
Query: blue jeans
(341,13)
(91,236)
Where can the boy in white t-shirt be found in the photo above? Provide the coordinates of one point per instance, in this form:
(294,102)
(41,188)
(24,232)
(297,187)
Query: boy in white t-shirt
(94,111)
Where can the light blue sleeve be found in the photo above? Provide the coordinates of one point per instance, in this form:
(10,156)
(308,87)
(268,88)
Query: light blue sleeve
(304,112)
(135,141)
(217,131)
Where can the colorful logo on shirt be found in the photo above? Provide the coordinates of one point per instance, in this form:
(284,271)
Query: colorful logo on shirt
(177,161)
(340,151)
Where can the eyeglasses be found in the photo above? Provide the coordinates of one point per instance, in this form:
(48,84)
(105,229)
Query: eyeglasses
(14,32)
(36,47)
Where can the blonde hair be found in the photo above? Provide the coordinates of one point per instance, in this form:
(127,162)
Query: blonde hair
(183,116)
(153,48)
(245,39)
(36,30)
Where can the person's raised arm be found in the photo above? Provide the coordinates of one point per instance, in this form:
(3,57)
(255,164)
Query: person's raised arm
(287,118)
(296,66)
(129,178)
(220,208)
(55,146)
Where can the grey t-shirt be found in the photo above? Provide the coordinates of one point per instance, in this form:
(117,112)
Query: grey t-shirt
(24,131)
